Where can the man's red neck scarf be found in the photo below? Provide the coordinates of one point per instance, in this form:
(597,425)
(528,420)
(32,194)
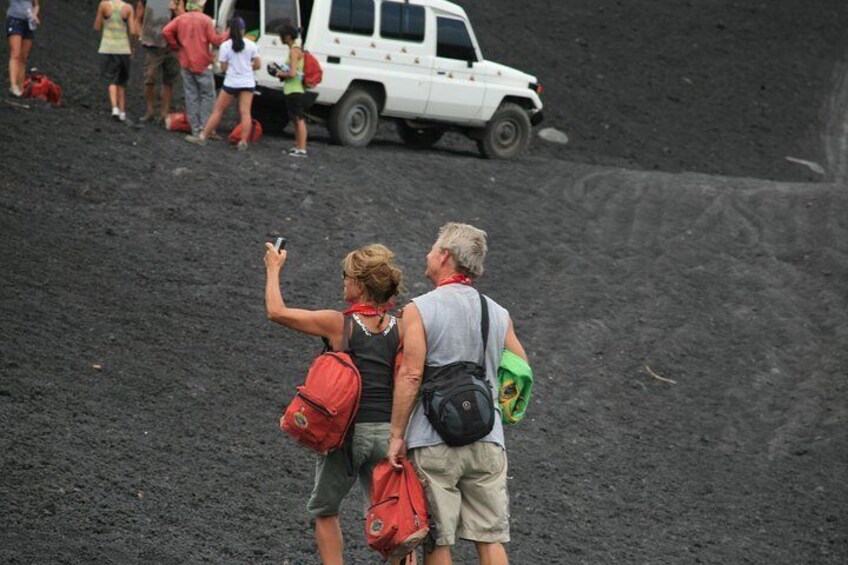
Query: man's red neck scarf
(458,278)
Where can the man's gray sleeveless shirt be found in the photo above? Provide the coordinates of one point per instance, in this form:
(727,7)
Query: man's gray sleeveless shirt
(451,316)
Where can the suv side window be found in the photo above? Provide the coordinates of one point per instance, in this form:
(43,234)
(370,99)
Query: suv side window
(352,16)
(453,40)
(402,21)
(278,12)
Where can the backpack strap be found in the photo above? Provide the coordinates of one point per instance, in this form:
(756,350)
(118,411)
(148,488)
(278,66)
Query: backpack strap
(484,324)
(348,326)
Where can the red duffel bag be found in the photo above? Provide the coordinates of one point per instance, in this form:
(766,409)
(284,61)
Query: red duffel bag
(255,133)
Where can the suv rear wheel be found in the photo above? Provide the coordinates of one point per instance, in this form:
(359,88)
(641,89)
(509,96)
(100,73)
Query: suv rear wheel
(419,137)
(353,120)
(507,134)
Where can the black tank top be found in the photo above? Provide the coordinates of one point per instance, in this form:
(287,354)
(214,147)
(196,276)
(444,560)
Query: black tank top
(374,355)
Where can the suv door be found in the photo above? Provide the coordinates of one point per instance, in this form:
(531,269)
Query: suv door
(457,89)
(271,48)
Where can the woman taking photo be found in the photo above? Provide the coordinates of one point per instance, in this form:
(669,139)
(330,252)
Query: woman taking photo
(239,57)
(370,280)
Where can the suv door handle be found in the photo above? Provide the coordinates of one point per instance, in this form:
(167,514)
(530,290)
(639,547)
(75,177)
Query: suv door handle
(441,72)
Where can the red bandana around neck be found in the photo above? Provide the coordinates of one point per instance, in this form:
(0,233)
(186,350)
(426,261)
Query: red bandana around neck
(458,278)
(368,309)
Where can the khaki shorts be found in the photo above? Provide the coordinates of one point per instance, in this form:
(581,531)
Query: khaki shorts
(466,491)
(160,57)
(332,482)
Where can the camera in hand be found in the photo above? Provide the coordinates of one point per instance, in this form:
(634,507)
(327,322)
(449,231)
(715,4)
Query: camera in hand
(274,68)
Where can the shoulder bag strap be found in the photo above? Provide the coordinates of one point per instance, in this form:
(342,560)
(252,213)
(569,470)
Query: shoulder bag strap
(348,328)
(484,324)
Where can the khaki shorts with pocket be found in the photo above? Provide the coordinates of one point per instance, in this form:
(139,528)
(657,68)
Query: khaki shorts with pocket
(160,57)
(466,491)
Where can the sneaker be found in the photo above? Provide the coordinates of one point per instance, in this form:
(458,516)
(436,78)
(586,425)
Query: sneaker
(196,139)
(16,91)
(116,114)
(148,118)
(122,116)
(242,146)
(214,136)
(295,152)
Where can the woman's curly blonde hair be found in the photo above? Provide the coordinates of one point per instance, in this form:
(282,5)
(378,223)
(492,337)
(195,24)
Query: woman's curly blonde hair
(373,267)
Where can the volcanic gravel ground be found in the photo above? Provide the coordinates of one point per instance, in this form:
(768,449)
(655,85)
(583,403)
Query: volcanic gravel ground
(140,382)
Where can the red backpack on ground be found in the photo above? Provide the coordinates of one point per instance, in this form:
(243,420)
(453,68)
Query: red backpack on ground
(313,74)
(324,408)
(397,518)
(255,133)
(177,121)
(38,85)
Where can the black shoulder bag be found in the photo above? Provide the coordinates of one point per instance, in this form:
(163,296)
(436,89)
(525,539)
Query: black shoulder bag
(458,398)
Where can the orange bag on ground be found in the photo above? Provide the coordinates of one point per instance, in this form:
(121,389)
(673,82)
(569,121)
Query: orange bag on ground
(255,133)
(37,85)
(397,518)
(178,121)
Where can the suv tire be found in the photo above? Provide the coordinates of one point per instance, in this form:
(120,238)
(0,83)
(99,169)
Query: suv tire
(419,137)
(353,120)
(507,134)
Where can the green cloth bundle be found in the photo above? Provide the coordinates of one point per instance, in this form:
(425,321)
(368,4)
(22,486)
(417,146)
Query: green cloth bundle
(515,381)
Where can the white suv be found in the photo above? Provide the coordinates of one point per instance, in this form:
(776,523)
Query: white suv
(416,62)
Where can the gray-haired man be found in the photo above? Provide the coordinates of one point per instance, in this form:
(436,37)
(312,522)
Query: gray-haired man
(466,486)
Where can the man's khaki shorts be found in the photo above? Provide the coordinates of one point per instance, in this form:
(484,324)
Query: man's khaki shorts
(160,57)
(466,491)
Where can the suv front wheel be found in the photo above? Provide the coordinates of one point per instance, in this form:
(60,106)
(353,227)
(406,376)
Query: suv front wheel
(353,120)
(507,134)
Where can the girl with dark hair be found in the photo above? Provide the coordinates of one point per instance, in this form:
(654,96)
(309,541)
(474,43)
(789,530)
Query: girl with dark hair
(239,57)
(293,89)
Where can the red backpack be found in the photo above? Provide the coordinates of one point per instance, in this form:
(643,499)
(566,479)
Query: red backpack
(397,518)
(325,406)
(177,121)
(38,85)
(255,133)
(313,74)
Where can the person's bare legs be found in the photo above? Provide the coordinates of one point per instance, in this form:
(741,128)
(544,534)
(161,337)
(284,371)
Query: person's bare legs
(26,47)
(441,555)
(15,61)
(122,98)
(165,101)
(491,553)
(245,100)
(113,95)
(150,100)
(221,105)
(328,535)
(300,134)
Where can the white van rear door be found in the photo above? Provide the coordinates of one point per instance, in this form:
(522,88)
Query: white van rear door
(262,19)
